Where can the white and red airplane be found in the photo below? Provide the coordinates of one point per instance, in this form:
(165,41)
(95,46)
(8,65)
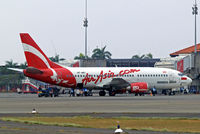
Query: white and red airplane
(112,79)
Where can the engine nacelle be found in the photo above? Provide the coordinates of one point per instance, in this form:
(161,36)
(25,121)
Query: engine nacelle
(139,87)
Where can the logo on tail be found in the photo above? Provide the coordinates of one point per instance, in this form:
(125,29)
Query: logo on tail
(36,58)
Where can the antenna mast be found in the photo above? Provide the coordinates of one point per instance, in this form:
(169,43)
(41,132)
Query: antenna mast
(195,13)
(85,24)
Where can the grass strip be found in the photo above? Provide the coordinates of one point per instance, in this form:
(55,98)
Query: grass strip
(180,125)
(41,123)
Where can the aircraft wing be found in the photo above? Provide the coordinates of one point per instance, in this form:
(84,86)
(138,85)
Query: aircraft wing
(117,83)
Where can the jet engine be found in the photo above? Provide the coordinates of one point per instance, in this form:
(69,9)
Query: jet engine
(138,88)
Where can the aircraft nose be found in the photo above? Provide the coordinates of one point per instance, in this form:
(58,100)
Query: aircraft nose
(189,80)
(186,80)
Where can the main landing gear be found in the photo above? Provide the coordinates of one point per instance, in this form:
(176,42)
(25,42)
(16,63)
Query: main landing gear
(102,93)
(112,93)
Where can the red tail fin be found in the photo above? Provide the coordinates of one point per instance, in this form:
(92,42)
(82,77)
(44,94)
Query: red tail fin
(35,57)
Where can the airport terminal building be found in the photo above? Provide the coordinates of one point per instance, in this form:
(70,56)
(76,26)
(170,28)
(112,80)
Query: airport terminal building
(119,63)
(187,62)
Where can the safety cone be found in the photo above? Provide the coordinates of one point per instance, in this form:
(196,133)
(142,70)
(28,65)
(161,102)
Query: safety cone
(151,94)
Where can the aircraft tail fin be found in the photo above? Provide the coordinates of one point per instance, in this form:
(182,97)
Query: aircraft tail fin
(35,57)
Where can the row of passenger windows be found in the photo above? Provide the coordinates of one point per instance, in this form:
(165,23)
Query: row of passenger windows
(139,75)
(153,75)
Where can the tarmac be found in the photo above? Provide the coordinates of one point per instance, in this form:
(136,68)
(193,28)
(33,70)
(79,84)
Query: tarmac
(18,105)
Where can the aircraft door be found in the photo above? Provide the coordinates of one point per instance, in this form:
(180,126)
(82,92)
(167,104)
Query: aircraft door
(173,79)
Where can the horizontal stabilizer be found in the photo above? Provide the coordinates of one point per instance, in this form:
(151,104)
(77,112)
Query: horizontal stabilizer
(16,69)
(32,70)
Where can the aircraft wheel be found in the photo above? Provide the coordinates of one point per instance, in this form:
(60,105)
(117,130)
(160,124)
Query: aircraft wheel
(102,93)
(112,93)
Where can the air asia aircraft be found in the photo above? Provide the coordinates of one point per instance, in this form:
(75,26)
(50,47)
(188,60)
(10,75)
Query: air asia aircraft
(112,79)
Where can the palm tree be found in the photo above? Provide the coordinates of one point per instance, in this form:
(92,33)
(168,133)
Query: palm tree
(144,56)
(80,57)
(56,58)
(149,56)
(101,54)
(138,57)
(11,64)
(23,65)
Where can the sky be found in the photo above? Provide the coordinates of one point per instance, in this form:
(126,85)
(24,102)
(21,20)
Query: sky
(126,27)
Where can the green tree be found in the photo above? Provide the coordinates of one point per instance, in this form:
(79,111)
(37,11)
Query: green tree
(56,58)
(101,54)
(144,56)
(80,57)
(138,57)
(23,65)
(9,78)
(11,64)
(149,56)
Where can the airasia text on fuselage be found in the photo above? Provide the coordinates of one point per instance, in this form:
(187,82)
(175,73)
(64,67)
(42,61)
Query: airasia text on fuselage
(89,78)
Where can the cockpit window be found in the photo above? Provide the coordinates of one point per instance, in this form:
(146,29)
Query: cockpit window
(180,74)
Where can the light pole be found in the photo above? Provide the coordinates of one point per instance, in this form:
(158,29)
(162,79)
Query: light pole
(195,13)
(85,24)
